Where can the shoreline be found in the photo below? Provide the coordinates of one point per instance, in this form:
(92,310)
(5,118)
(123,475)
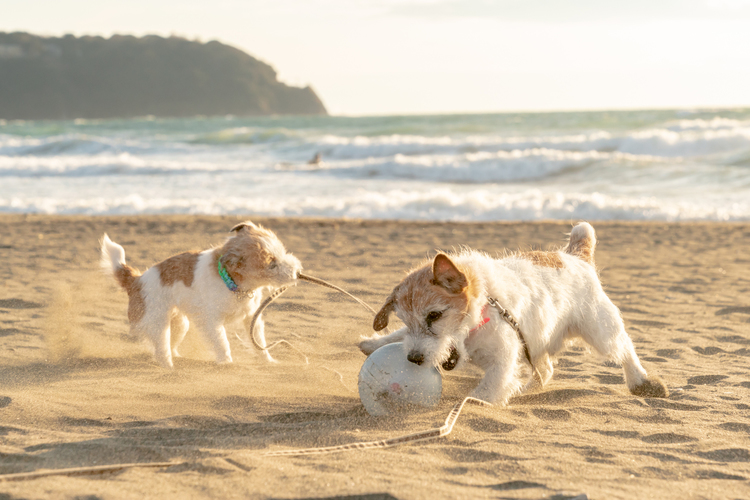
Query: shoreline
(358,220)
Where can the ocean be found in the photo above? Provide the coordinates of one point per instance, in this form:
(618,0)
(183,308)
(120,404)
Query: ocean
(677,165)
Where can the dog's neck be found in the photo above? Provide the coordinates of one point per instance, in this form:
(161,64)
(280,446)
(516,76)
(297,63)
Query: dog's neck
(228,281)
(477,309)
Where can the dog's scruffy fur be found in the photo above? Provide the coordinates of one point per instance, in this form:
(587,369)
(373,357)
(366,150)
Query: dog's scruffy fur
(554,296)
(187,290)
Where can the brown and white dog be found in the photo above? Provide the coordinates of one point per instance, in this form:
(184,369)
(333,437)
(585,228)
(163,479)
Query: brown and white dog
(207,289)
(553,296)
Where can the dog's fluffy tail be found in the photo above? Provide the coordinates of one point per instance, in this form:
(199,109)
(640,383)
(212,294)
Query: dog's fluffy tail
(582,242)
(113,262)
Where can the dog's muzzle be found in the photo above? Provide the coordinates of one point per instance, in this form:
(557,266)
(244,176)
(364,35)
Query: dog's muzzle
(452,360)
(415,357)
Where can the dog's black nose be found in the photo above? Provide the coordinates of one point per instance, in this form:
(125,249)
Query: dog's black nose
(415,357)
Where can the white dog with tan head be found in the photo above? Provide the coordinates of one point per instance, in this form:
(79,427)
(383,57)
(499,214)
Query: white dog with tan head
(510,316)
(207,289)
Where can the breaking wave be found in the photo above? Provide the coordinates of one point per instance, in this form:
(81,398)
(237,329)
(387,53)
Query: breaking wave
(660,165)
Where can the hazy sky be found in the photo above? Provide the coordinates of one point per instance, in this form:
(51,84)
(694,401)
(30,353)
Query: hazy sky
(432,56)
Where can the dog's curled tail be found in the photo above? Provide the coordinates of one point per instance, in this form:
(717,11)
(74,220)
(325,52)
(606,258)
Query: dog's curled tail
(113,262)
(582,242)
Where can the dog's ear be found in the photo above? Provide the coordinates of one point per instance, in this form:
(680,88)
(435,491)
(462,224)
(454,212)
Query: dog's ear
(236,254)
(239,226)
(381,318)
(446,274)
(233,261)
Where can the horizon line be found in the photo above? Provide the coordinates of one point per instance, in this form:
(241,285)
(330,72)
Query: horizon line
(692,109)
(697,108)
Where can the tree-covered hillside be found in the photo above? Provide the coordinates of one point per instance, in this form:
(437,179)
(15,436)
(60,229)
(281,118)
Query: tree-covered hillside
(125,76)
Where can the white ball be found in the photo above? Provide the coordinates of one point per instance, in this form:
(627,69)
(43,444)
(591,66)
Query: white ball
(388,380)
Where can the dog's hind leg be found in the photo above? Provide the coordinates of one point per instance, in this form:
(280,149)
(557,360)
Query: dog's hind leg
(216,336)
(179,327)
(607,336)
(639,383)
(158,332)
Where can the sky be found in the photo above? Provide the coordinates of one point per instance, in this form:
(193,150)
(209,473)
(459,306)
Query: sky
(376,57)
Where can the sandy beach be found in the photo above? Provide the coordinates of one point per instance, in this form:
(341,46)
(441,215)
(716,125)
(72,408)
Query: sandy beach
(77,391)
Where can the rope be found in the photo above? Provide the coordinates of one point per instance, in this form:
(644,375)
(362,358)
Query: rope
(273,297)
(416,437)
(427,435)
(320,282)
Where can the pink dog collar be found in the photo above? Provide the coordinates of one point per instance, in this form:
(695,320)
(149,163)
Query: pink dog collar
(485,319)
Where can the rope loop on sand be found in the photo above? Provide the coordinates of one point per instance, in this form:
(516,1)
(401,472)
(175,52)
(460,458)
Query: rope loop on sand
(416,437)
(427,435)
(257,344)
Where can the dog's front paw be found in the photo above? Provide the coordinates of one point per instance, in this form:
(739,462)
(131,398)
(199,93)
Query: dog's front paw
(486,396)
(224,359)
(370,345)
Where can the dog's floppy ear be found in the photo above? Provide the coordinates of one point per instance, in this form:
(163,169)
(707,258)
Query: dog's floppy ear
(236,254)
(239,226)
(381,318)
(446,274)
(233,261)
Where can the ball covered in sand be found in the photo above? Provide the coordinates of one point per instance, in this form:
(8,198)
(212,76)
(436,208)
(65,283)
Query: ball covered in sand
(387,381)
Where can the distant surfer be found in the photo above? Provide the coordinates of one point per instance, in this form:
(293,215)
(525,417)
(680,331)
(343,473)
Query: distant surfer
(316,160)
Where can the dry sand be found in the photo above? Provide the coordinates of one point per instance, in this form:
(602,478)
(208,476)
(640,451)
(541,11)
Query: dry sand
(76,391)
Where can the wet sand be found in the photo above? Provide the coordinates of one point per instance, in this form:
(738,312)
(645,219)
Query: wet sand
(77,391)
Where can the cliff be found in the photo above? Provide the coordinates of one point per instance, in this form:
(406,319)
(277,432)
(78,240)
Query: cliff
(125,76)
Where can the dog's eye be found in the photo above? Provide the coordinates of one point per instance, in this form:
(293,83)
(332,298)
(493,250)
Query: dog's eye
(433,316)
(273,264)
